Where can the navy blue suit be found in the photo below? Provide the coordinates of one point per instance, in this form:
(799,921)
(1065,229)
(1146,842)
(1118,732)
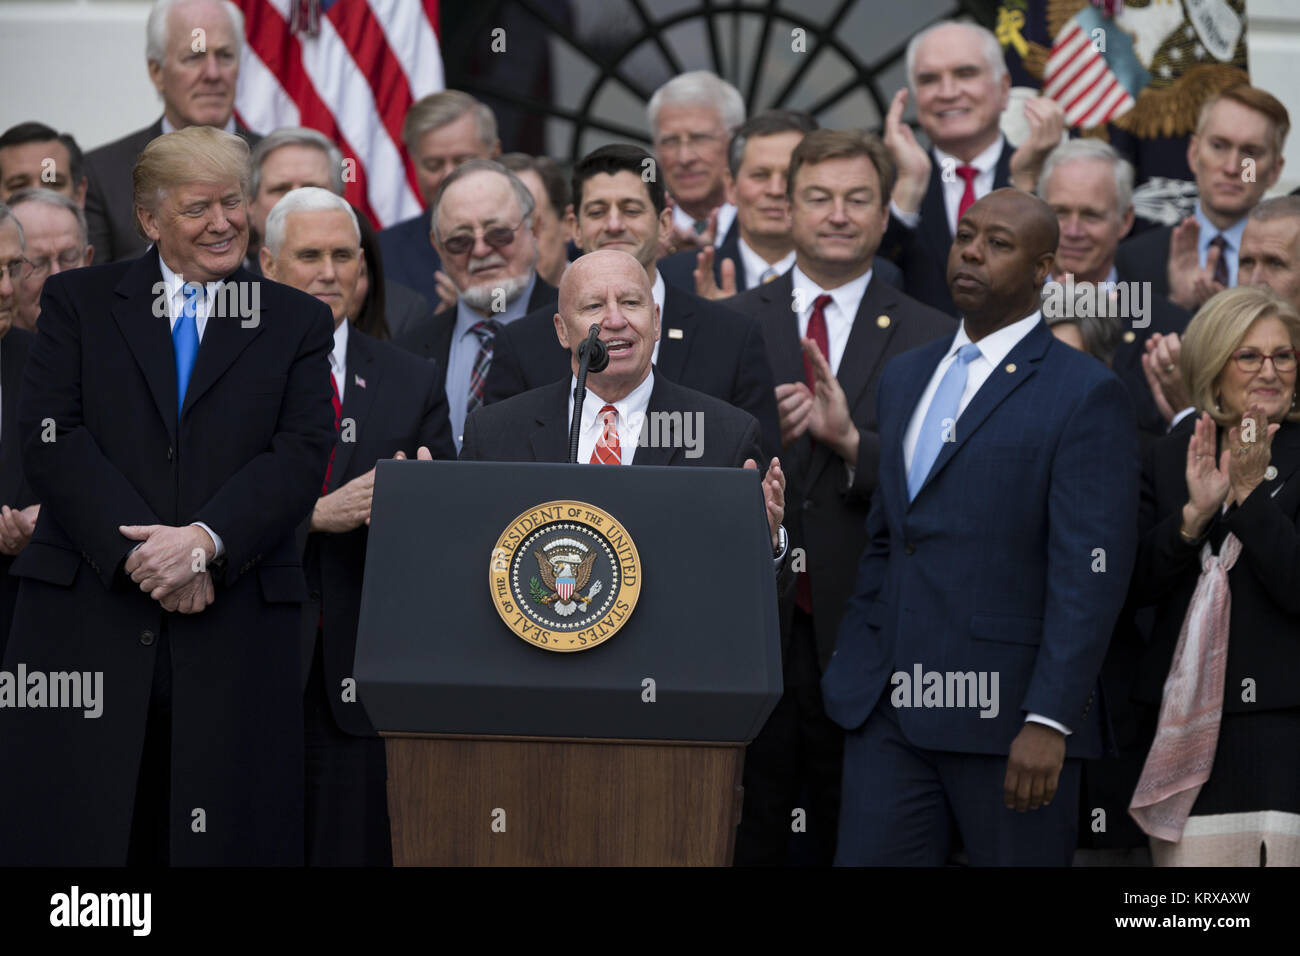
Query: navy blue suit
(409,256)
(991,568)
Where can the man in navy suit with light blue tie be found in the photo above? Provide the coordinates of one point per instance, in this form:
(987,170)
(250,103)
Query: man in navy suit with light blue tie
(1001,538)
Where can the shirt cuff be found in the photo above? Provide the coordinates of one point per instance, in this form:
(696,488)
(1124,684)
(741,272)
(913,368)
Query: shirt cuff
(1179,416)
(784,541)
(908,219)
(216,538)
(1047,721)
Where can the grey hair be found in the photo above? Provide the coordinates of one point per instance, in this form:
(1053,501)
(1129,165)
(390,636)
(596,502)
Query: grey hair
(1279,207)
(59,201)
(989,45)
(1075,150)
(304,199)
(7,216)
(1100,333)
(526,201)
(438,109)
(155,47)
(699,88)
(295,136)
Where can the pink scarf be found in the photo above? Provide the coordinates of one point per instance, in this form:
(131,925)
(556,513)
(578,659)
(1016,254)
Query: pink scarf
(1191,708)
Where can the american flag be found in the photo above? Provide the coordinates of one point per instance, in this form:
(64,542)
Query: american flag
(1092,71)
(351,69)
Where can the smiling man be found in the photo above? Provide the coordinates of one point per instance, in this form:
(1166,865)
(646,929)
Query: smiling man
(195,75)
(961,86)
(394,405)
(1236,155)
(172,471)
(706,347)
(1000,541)
(32,155)
(829,324)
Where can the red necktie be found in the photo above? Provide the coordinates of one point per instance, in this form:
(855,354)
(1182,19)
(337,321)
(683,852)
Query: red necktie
(967,173)
(817,332)
(338,418)
(607,450)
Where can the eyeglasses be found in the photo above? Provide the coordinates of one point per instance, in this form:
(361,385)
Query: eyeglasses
(17,269)
(696,141)
(70,259)
(1250,360)
(498,237)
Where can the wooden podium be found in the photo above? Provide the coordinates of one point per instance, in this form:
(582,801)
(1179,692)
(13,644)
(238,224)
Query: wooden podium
(501,753)
(532,801)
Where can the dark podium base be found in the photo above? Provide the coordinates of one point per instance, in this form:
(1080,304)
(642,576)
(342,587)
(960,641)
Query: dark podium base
(457,800)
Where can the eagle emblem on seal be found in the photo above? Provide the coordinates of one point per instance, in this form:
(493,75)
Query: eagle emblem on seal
(564,568)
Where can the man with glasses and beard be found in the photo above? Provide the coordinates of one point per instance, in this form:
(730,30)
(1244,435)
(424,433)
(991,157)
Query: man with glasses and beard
(481,230)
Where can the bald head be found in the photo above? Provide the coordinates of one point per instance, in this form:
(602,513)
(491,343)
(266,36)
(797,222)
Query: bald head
(610,288)
(1001,255)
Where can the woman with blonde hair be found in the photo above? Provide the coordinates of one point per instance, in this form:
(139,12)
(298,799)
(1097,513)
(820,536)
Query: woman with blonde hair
(1219,555)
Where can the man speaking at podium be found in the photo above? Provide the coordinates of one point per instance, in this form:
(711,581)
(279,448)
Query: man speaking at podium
(631,415)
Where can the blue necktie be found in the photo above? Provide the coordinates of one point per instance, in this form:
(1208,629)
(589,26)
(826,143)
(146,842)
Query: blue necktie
(185,342)
(940,423)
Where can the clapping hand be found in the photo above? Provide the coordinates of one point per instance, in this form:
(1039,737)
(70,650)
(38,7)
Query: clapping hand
(773,496)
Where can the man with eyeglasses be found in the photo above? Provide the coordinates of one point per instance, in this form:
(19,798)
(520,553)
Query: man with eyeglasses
(55,229)
(18,507)
(691,119)
(481,221)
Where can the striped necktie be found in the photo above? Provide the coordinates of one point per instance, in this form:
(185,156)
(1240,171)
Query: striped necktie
(486,330)
(607,450)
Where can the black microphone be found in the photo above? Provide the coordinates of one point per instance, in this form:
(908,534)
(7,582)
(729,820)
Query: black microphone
(593,356)
(599,352)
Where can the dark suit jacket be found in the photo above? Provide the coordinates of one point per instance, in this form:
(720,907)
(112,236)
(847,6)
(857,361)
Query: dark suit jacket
(430,337)
(1145,257)
(409,256)
(14,490)
(824,514)
(403,308)
(679,268)
(993,567)
(400,407)
(1264,628)
(246,456)
(1165,318)
(922,253)
(110,197)
(534,426)
(701,345)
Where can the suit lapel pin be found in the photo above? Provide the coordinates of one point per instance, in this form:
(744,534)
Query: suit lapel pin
(1011,367)
(360,382)
(882,321)
(1270,472)
(1130,336)
(675,333)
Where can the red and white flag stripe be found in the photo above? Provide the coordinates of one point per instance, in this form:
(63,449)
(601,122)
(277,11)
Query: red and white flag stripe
(353,81)
(1078,77)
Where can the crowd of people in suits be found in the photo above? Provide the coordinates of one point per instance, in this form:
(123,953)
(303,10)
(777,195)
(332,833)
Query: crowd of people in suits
(1095,511)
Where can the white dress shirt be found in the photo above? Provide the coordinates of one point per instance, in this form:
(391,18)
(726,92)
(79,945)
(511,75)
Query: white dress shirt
(994,349)
(339,357)
(726,216)
(755,265)
(631,416)
(657,290)
(840,312)
(987,165)
(175,295)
